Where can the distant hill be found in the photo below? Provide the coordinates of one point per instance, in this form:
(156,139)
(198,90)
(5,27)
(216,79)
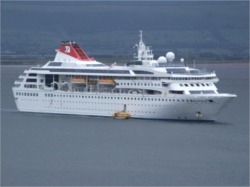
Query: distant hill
(213,30)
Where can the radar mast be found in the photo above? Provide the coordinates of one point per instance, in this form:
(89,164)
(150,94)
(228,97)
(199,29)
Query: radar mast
(144,52)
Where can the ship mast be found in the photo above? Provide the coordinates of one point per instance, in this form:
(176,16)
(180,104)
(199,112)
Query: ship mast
(141,36)
(144,53)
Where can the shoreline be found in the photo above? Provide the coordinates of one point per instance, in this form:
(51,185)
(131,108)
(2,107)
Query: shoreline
(118,60)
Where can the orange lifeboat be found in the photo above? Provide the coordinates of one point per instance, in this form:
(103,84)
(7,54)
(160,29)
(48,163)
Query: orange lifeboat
(78,80)
(122,114)
(106,81)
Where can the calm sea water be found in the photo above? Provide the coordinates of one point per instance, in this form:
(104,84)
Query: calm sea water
(46,149)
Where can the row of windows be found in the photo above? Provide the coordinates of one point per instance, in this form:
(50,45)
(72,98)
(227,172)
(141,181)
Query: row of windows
(114,77)
(143,78)
(122,72)
(125,98)
(30,86)
(100,109)
(99,103)
(139,84)
(192,85)
(142,72)
(190,78)
(32,74)
(31,80)
(90,77)
(176,92)
(30,100)
(27,94)
(134,63)
(104,97)
(85,70)
(202,92)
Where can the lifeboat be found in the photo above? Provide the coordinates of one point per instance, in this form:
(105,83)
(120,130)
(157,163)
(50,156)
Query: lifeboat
(78,80)
(121,115)
(106,81)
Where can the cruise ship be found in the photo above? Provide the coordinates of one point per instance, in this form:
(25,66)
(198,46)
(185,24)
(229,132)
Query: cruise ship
(148,88)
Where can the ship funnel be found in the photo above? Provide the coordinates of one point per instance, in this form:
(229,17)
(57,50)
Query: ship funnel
(69,50)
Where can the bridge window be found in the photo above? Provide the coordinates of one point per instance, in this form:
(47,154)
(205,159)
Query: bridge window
(31,80)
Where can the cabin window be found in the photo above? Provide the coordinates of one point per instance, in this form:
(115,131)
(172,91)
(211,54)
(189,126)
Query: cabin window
(176,92)
(48,80)
(31,80)
(32,74)
(30,86)
(202,92)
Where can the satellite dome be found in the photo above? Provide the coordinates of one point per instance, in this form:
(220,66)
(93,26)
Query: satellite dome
(162,59)
(170,56)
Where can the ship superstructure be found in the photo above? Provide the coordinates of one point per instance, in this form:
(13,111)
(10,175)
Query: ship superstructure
(74,83)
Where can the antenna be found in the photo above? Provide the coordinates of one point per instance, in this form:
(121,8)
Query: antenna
(143,51)
(140,35)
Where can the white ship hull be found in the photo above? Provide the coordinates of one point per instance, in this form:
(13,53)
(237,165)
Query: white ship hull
(145,88)
(138,106)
